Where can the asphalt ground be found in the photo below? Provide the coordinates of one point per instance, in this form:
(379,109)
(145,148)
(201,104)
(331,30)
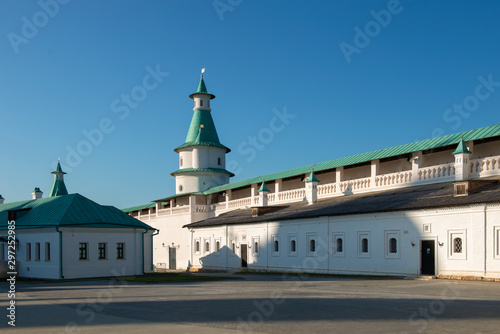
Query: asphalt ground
(258,304)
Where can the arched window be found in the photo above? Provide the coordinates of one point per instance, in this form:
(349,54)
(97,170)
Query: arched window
(197,246)
(276,246)
(180,163)
(312,245)
(364,245)
(457,245)
(256,247)
(292,246)
(207,246)
(217,245)
(233,247)
(393,245)
(340,245)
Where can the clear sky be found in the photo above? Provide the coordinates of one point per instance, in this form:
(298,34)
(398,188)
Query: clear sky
(104,85)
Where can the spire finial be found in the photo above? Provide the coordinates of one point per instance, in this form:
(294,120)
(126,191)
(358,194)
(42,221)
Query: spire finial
(202,71)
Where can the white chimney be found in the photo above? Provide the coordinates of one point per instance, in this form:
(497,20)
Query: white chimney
(1,199)
(37,193)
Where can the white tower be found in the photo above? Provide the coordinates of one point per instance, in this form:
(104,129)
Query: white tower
(462,164)
(202,158)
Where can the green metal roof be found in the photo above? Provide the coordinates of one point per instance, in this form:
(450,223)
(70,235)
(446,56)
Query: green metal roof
(481,133)
(58,189)
(58,169)
(202,89)
(461,148)
(72,210)
(202,131)
(312,178)
(263,187)
(139,207)
(194,170)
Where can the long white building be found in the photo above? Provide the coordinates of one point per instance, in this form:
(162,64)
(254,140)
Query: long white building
(429,207)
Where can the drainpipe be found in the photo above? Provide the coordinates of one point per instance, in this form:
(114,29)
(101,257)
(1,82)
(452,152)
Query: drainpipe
(156,232)
(60,253)
(142,249)
(485,239)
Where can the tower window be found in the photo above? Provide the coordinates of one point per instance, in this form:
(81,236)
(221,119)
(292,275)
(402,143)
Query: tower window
(219,161)
(201,103)
(180,163)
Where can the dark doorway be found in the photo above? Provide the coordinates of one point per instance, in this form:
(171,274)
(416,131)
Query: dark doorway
(427,257)
(172,258)
(244,256)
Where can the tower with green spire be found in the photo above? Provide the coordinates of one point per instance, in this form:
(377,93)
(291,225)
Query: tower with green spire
(202,157)
(58,187)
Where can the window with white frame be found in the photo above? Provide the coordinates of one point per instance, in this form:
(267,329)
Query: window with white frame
(391,244)
(206,243)
(496,241)
(101,247)
(83,251)
(311,244)
(292,244)
(233,245)
(457,245)
(37,251)
(255,246)
(363,244)
(276,245)
(197,246)
(217,246)
(338,244)
(28,251)
(47,251)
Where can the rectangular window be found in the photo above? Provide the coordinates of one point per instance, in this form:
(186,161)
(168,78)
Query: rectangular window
(255,246)
(219,161)
(275,245)
(2,250)
(292,244)
(101,247)
(82,251)
(311,244)
(47,251)
(28,251)
(363,244)
(120,250)
(37,251)
(338,244)
(457,246)
(391,244)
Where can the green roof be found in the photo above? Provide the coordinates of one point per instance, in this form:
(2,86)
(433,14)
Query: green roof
(139,207)
(462,148)
(481,133)
(312,178)
(194,170)
(263,187)
(202,89)
(202,131)
(72,210)
(58,189)
(58,169)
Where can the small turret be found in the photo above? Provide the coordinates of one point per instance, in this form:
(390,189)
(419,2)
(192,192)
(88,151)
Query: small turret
(58,187)
(263,192)
(462,165)
(37,193)
(312,188)
(1,199)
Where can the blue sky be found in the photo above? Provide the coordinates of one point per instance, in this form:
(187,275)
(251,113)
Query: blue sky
(346,77)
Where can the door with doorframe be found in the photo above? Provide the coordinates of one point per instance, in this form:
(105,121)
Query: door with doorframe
(427,257)
(172,258)
(244,255)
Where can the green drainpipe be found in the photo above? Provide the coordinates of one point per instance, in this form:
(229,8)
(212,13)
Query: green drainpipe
(60,253)
(142,249)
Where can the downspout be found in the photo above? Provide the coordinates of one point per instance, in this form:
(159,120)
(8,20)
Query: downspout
(227,248)
(60,253)
(485,239)
(156,232)
(142,249)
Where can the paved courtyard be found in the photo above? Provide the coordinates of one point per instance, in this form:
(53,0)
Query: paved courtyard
(259,303)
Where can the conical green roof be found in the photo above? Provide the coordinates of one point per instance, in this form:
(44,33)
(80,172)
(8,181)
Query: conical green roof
(58,187)
(263,187)
(462,148)
(202,89)
(312,178)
